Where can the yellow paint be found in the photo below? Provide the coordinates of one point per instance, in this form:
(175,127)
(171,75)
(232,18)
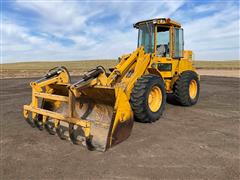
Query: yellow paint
(155,99)
(193,89)
(57,116)
(56,123)
(44,119)
(122,108)
(51,97)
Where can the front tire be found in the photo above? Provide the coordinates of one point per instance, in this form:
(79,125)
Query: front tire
(186,88)
(148,98)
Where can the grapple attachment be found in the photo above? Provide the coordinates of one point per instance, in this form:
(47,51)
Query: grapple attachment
(86,113)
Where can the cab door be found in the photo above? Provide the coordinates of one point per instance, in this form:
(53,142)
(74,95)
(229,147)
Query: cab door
(163,51)
(178,43)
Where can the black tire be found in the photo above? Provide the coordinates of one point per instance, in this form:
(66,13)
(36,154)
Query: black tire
(181,88)
(139,98)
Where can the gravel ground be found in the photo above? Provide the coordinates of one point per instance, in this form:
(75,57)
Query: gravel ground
(199,142)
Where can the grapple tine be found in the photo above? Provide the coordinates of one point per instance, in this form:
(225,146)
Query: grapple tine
(49,126)
(60,130)
(31,122)
(38,122)
(38,125)
(74,133)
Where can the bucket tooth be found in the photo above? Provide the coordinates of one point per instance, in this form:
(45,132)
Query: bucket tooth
(61,132)
(31,119)
(76,134)
(38,122)
(30,122)
(89,144)
(49,126)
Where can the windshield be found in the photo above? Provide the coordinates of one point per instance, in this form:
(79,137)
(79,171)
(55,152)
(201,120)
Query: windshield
(146,37)
(163,41)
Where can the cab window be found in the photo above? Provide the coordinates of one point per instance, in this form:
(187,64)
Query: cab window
(146,37)
(163,42)
(178,43)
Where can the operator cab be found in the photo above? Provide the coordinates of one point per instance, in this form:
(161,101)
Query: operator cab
(162,36)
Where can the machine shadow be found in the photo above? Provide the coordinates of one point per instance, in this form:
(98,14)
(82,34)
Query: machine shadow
(171,100)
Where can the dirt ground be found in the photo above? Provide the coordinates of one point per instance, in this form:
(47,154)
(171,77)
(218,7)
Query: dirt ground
(199,142)
(220,72)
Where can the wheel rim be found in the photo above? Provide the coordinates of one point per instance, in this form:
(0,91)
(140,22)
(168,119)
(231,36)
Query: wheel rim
(193,89)
(155,99)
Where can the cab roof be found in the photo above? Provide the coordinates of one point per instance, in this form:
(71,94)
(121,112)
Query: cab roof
(158,21)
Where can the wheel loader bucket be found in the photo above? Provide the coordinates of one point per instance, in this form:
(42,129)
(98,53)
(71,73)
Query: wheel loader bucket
(109,113)
(99,117)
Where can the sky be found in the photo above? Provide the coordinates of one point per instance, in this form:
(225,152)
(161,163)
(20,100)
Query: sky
(50,30)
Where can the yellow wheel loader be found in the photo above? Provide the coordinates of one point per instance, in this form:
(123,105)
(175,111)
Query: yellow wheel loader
(98,110)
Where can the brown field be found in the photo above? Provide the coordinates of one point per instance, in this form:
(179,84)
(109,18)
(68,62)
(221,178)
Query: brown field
(198,142)
(218,64)
(36,69)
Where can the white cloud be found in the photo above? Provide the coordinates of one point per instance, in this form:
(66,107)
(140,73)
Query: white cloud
(60,16)
(212,36)
(16,38)
(19,44)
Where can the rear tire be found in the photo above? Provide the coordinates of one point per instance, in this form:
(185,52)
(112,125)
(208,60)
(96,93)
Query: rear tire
(186,88)
(148,98)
